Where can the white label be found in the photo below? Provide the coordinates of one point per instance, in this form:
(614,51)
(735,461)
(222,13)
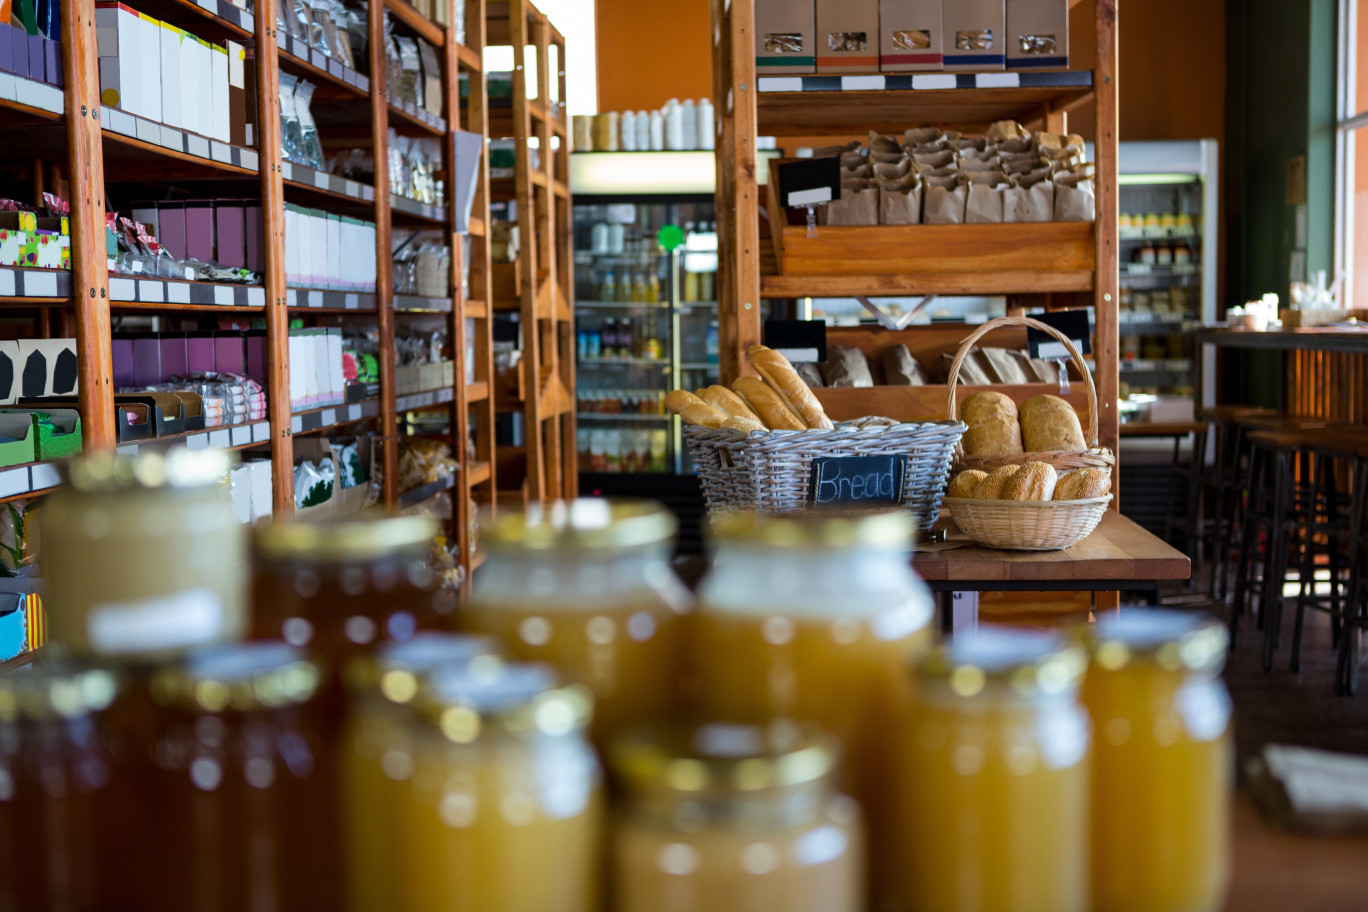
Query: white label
(197,442)
(241,436)
(178,292)
(965,615)
(287,171)
(998,80)
(7,283)
(329,417)
(14,481)
(122,290)
(248,158)
(170,622)
(45,475)
(315,299)
(152,290)
(197,145)
(256,296)
(1052,351)
(220,438)
(223,295)
(933,81)
(9,88)
(320,179)
(797,355)
(296,424)
(221,153)
(261,431)
(353,412)
(173,139)
(810,197)
(861,83)
(353,302)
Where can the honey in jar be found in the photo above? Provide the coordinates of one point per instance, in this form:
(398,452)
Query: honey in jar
(503,812)
(737,817)
(1162,763)
(992,797)
(586,586)
(817,619)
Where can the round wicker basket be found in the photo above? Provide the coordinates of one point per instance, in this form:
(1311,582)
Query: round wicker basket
(1027,525)
(1062,460)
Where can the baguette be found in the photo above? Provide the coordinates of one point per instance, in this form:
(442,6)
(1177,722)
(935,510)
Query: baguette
(966,483)
(1082,484)
(720,397)
(776,371)
(768,404)
(679,399)
(991,487)
(1035,481)
(703,415)
(749,425)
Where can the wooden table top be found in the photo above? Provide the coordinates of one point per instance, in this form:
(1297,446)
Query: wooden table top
(1118,552)
(1277,871)
(1161,428)
(1315,338)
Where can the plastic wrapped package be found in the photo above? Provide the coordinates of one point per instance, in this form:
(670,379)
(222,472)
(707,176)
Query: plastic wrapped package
(291,132)
(422,461)
(310,146)
(351,471)
(410,85)
(313,483)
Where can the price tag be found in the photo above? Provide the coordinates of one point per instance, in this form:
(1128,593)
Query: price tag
(857,481)
(1073,324)
(808,181)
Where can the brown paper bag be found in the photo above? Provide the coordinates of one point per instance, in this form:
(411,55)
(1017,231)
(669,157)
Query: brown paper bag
(1005,130)
(880,144)
(1031,199)
(1017,146)
(925,161)
(1024,163)
(837,151)
(893,170)
(943,199)
(1062,150)
(1074,198)
(863,171)
(853,159)
(858,205)
(917,136)
(900,200)
(989,163)
(970,142)
(985,200)
(931,148)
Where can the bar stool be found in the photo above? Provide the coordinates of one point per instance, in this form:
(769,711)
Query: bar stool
(1224,480)
(1194,471)
(1355,616)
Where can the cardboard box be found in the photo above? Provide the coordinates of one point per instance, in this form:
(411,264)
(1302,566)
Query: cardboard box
(59,436)
(1037,34)
(301,365)
(175,355)
(37,59)
(785,37)
(149,67)
(230,248)
(847,36)
(318,253)
(222,122)
(975,35)
(337,385)
(230,352)
(13,243)
(171,228)
(147,366)
(257,364)
(52,63)
(118,43)
(121,357)
(253,227)
(170,39)
(49,367)
(7,48)
(910,36)
(199,230)
(194,84)
(199,352)
(17,445)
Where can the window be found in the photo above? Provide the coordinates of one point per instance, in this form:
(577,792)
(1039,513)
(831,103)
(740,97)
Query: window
(1351,210)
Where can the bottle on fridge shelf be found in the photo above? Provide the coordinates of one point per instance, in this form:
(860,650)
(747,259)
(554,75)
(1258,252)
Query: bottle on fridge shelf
(598,238)
(653,289)
(627,135)
(688,122)
(609,348)
(582,343)
(624,289)
(691,287)
(625,341)
(706,129)
(595,344)
(658,447)
(657,131)
(639,287)
(608,288)
(712,346)
(674,125)
(643,131)
(707,286)
(617,238)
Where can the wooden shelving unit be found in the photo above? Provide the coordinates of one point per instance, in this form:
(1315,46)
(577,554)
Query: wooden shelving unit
(1057,264)
(65,140)
(543,277)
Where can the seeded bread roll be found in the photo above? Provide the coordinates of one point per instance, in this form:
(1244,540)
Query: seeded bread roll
(1048,423)
(993,427)
(966,483)
(1035,481)
(991,487)
(720,397)
(768,404)
(1083,483)
(776,371)
(749,425)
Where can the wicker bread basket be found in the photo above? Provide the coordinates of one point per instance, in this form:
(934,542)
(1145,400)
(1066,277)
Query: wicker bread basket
(1062,460)
(1027,525)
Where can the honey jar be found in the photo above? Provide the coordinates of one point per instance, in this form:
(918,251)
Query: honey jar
(737,817)
(992,795)
(1162,762)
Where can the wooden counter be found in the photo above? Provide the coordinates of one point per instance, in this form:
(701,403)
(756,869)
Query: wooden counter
(1311,338)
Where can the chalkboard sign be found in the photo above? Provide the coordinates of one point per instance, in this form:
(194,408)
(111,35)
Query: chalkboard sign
(1075,326)
(799,340)
(857,481)
(809,181)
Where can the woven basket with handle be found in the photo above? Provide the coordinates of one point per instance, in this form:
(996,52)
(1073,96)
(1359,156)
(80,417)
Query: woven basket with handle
(771,471)
(1062,460)
(1027,525)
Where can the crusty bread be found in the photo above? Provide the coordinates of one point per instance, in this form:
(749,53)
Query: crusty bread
(965,483)
(679,399)
(1035,481)
(720,397)
(776,371)
(991,487)
(1048,423)
(703,416)
(993,428)
(749,425)
(768,404)
(1083,483)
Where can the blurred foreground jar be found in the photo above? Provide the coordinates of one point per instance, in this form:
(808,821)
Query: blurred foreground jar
(993,790)
(1162,763)
(816,618)
(143,556)
(587,587)
(504,808)
(377,756)
(736,817)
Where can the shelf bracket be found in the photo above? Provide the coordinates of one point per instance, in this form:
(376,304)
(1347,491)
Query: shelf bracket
(890,322)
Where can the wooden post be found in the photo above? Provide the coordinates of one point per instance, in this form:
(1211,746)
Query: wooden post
(89,266)
(565,272)
(528,324)
(1106,350)
(477,121)
(384,257)
(456,325)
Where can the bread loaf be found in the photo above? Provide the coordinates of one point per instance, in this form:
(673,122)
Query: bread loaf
(993,428)
(1048,423)
(1083,483)
(749,425)
(703,416)
(846,366)
(1035,481)
(966,483)
(776,371)
(766,403)
(678,400)
(720,397)
(900,368)
(991,487)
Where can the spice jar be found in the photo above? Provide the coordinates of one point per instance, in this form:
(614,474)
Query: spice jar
(143,555)
(1162,762)
(586,586)
(816,618)
(992,800)
(504,808)
(377,756)
(736,817)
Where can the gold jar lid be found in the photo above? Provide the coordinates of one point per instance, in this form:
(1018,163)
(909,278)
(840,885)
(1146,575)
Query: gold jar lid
(723,757)
(353,540)
(242,676)
(179,468)
(589,523)
(520,699)
(44,692)
(1172,640)
(397,670)
(890,530)
(1006,661)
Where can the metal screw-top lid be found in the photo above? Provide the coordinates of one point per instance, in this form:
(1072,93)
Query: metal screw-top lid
(884,530)
(1006,661)
(723,757)
(398,670)
(241,676)
(589,523)
(358,540)
(521,699)
(46,691)
(1173,640)
(149,469)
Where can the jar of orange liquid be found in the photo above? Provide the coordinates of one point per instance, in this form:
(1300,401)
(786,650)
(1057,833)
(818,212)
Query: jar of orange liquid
(817,618)
(586,586)
(1162,762)
(737,817)
(377,756)
(993,790)
(503,811)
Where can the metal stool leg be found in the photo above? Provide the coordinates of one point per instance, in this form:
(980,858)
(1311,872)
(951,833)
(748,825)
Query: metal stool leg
(1355,604)
(1246,555)
(1195,538)
(1275,560)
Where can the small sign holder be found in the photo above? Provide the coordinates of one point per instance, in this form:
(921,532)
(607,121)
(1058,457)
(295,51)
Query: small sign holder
(1076,326)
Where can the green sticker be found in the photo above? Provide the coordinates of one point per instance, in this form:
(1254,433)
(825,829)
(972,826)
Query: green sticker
(670,237)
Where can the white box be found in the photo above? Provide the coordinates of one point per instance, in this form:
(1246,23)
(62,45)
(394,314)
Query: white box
(118,42)
(304,246)
(218,75)
(316,341)
(368,262)
(149,65)
(263,495)
(170,41)
(240,492)
(335,276)
(337,383)
(196,101)
(301,367)
(292,235)
(318,255)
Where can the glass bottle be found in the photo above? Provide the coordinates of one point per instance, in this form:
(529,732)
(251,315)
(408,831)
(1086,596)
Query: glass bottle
(738,817)
(608,290)
(992,797)
(610,338)
(653,289)
(816,619)
(639,287)
(586,586)
(1162,762)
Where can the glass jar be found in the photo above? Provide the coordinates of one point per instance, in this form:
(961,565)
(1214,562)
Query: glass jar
(993,795)
(1162,762)
(239,792)
(816,618)
(736,817)
(377,756)
(504,808)
(143,555)
(586,586)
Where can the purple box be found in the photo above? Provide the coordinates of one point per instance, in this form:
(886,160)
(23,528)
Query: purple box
(252,231)
(199,352)
(174,358)
(171,223)
(230,352)
(121,353)
(199,230)
(52,62)
(147,365)
(18,41)
(36,57)
(256,355)
(6,49)
(231,246)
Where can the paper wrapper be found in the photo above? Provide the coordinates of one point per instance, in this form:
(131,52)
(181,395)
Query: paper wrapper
(944,199)
(984,204)
(1031,199)
(1074,197)
(900,201)
(858,205)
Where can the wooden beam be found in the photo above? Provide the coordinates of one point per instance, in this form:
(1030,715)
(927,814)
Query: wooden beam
(384,257)
(529,253)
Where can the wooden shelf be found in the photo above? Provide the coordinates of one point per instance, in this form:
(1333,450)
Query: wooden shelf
(477,392)
(212,21)
(419,120)
(478,474)
(424,27)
